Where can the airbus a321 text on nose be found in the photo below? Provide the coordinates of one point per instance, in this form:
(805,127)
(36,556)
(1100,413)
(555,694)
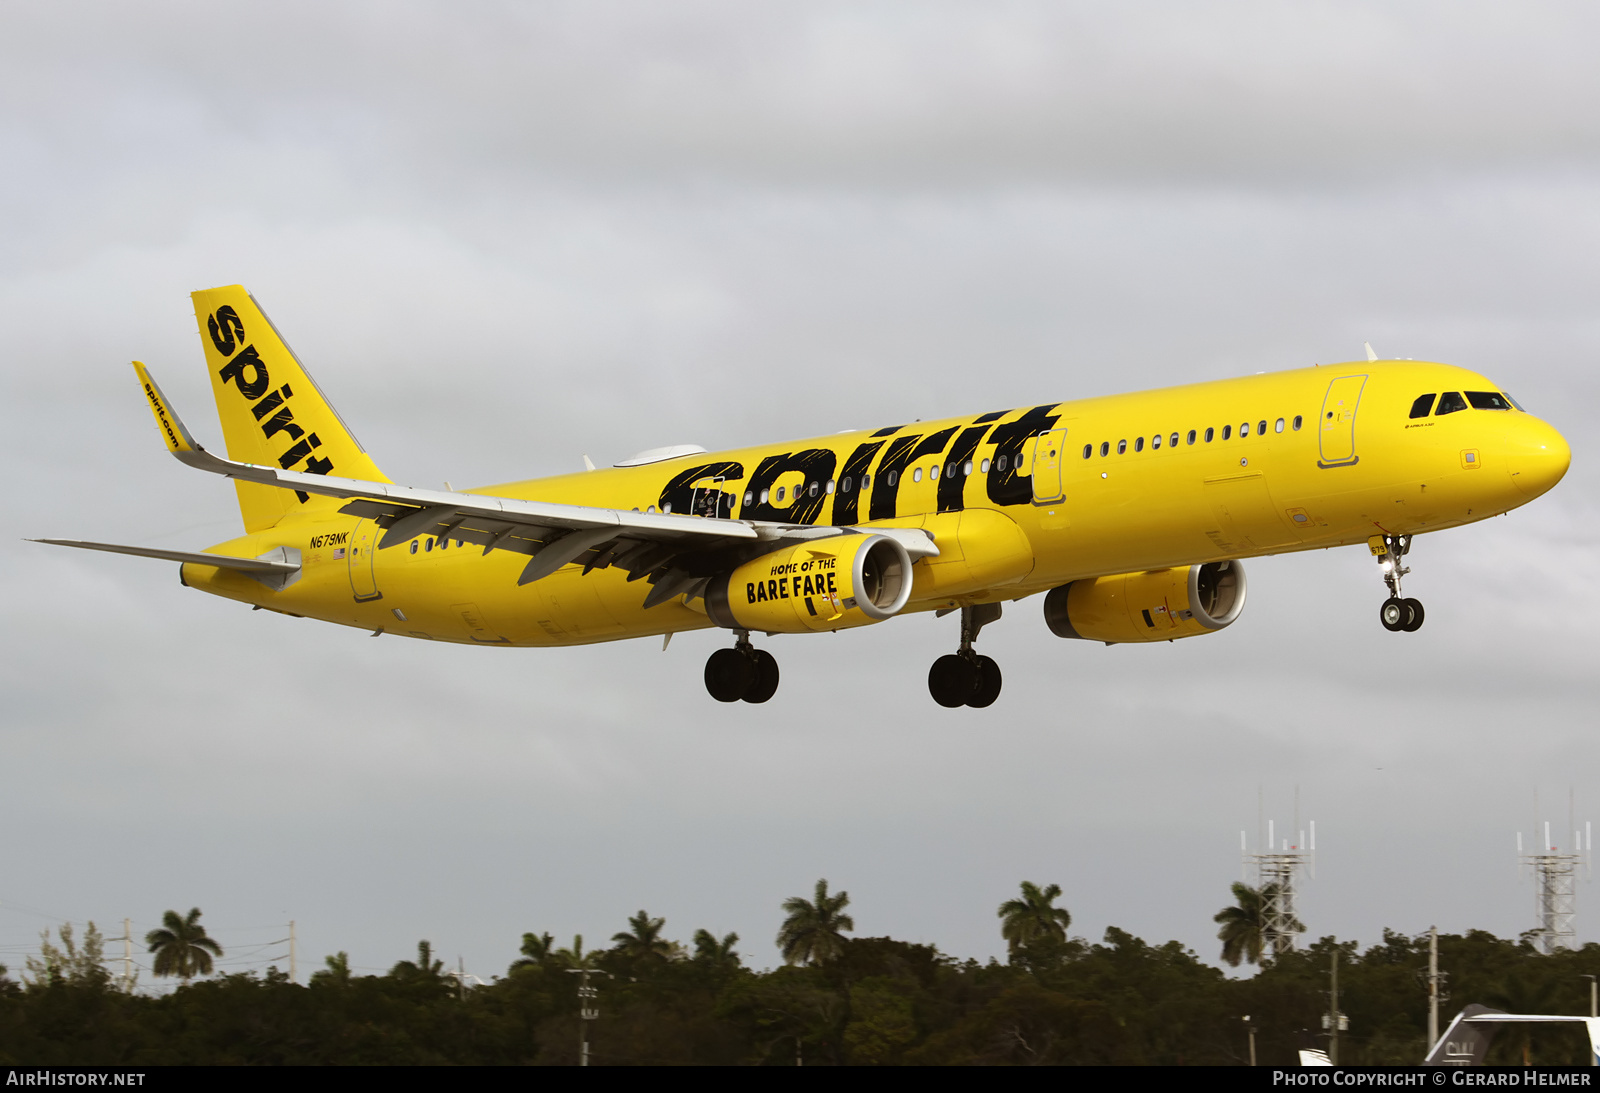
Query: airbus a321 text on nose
(1130,513)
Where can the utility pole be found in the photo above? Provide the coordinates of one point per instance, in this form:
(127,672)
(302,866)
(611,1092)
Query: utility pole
(291,951)
(1433,986)
(1251,1029)
(588,1010)
(461,978)
(1594,1010)
(127,955)
(1335,1019)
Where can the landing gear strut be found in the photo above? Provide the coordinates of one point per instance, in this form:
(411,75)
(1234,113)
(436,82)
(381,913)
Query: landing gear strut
(1396,614)
(964,678)
(743,672)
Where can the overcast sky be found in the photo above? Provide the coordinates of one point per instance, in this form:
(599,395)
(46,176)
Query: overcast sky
(504,236)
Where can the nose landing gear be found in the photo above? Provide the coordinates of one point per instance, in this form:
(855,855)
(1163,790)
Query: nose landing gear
(1397,613)
(743,672)
(964,678)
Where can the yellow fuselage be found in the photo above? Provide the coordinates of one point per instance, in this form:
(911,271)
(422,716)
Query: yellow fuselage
(1017,502)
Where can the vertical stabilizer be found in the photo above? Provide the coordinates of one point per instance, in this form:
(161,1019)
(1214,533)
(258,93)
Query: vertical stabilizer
(272,411)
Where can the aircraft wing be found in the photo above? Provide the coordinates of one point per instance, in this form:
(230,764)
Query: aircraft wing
(221,561)
(677,554)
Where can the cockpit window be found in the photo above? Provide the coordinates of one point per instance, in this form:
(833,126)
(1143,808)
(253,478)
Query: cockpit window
(1449,403)
(1513,402)
(1487,400)
(1423,404)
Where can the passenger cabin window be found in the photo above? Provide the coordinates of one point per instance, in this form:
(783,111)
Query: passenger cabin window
(1138,444)
(1297,420)
(1155,442)
(1261,428)
(1088,450)
(1173,440)
(1191,436)
(1227,431)
(1449,403)
(1122,447)
(1423,405)
(1244,430)
(1487,400)
(1209,434)
(1278,427)
(1105,447)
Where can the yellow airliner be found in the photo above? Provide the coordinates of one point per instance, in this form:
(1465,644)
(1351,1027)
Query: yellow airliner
(1131,513)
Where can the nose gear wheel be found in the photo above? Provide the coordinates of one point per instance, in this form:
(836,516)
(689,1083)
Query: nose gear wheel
(1398,614)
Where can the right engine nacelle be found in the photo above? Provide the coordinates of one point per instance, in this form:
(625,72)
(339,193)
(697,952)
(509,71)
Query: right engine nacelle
(1160,605)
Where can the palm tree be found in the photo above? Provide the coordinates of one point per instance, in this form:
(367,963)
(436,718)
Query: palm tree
(1245,934)
(575,957)
(814,932)
(1033,918)
(536,951)
(182,947)
(645,942)
(425,966)
(713,953)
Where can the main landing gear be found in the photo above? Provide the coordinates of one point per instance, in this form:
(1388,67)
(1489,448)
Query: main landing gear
(1396,614)
(964,678)
(743,672)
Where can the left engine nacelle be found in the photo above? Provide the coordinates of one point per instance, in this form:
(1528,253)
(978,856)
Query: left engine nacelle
(822,584)
(1160,605)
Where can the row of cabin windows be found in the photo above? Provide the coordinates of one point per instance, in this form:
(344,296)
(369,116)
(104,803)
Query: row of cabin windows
(954,469)
(1209,435)
(428,543)
(1451,401)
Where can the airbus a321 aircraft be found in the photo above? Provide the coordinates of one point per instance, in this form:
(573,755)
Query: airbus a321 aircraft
(1130,513)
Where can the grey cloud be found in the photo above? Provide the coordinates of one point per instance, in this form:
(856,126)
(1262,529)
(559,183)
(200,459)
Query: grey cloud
(503,236)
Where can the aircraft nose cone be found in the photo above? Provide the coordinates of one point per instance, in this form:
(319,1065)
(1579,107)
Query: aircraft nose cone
(1539,457)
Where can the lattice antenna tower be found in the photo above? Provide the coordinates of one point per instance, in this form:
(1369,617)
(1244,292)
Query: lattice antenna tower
(1555,873)
(1278,864)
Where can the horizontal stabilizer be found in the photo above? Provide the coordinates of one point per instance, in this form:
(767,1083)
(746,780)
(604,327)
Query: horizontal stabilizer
(221,561)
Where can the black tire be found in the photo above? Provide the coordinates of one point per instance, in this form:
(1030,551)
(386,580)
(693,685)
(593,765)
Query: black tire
(765,684)
(729,675)
(988,688)
(1394,614)
(952,680)
(1415,622)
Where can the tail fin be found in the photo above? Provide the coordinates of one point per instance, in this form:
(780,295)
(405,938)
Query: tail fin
(272,411)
